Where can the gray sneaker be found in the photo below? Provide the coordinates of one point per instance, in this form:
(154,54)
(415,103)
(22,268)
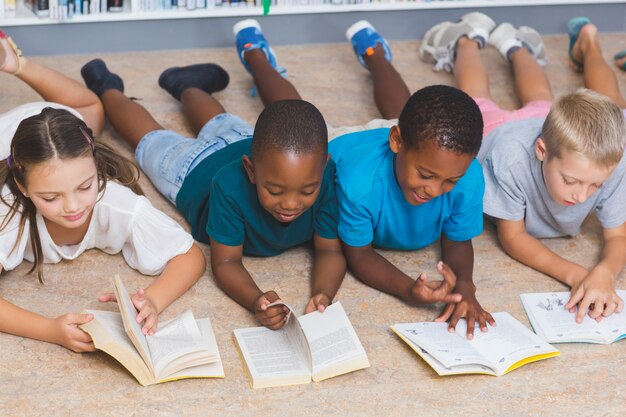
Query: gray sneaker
(507,39)
(439,43)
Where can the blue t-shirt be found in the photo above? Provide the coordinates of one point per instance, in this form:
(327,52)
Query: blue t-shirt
(218,201)
(372,208)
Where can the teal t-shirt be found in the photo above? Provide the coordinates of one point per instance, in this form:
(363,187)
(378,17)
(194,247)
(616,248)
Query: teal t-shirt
(372,208)
(218,201)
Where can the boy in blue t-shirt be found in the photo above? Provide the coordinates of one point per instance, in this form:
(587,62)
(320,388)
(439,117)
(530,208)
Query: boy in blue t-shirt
(407,186)
(254,193)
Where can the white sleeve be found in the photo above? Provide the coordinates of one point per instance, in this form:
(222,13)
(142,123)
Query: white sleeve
(12,251)
(154,239)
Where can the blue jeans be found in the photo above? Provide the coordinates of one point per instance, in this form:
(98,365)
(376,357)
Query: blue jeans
(167,157)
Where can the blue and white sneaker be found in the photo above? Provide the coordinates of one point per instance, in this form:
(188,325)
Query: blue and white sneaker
(249,36)
(364,39)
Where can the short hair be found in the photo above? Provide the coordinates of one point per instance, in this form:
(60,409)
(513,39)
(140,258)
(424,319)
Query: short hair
(445,115)
(587,123)
(290,126)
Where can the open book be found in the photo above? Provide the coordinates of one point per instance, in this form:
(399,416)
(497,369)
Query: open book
(315,346)
(552,322)
(182,348)
(498,351)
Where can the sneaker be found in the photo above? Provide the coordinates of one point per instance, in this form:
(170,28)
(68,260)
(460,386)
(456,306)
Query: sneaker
(439,43)
(206,77)
(248,36)
(364,39)
(99,79)
(507,39)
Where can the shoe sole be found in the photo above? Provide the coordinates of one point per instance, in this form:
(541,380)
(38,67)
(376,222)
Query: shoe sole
(357,27)
(244,24)
(424,53)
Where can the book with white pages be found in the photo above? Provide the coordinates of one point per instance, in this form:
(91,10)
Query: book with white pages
(553,323)
(315,347)
(181,348)
(501,349)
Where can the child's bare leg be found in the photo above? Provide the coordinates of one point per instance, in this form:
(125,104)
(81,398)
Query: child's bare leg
(270,84)
(470,73)
(199,107)
(597,73)
(531,82)
(55,87)
(390,91)
(130,119)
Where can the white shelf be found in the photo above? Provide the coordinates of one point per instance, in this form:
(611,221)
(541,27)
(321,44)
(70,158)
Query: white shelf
(25,17)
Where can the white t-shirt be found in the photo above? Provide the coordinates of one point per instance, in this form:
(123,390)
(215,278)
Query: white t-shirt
(121,222)
(11,119)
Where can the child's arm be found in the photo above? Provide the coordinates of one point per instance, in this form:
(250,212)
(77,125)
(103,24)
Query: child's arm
(376,271)
(531,252)
(179,275)
(233,278)
(62,330)
(329,268)
(460,257)
(598,287)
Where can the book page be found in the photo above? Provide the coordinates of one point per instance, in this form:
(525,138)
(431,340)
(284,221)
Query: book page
(174,339)
(275,355)
(449,349)
(507,343)
(133,329)
(550,319)
(331,338)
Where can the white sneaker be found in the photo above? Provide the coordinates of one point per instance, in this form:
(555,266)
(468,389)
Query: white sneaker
(439,43)
(505,37)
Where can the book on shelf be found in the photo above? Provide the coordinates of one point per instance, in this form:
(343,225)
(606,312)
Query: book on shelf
(315,346)
(553,323)
(181,348)
(500,350)
(39,7)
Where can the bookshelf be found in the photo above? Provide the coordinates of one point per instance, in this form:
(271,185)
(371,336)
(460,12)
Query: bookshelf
(25,17)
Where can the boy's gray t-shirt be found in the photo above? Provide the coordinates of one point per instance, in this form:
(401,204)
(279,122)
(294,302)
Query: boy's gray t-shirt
(515,189)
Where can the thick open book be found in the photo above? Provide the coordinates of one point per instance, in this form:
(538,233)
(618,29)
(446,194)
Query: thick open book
(553,323)
(182,348)
(315,346)
(498,351)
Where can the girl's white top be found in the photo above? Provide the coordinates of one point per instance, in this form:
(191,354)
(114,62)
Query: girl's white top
(121,221)
(11,119)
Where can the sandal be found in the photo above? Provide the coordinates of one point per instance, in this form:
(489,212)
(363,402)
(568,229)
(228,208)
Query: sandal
(14,60)
(573,30)
(617,57)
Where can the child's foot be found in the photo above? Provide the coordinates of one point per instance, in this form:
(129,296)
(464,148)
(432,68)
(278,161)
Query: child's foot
(364,39)
(99,79)
(506,39)
(248,36)
(11,59)
(620,60)
(586,38)
(574,26)
(206,77)
(439,43)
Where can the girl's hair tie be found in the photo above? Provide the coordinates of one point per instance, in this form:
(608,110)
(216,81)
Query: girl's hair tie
(89,139)
(9,162)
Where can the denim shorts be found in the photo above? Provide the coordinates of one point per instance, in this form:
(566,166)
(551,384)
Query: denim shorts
(167,157)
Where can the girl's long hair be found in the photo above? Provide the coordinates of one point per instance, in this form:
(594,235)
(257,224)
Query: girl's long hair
(54,133)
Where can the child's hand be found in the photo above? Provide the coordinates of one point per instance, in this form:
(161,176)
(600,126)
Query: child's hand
(318,302)
(67,333)
(596,294)
(270,317)
(470,309)
(428,292)
(146,311)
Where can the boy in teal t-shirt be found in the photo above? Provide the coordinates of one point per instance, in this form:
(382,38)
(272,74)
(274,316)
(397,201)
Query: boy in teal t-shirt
(410,185)
(246,192)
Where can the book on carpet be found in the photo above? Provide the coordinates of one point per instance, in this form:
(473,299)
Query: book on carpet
(181,348)
(315,347)
(552,322)
(501,349)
